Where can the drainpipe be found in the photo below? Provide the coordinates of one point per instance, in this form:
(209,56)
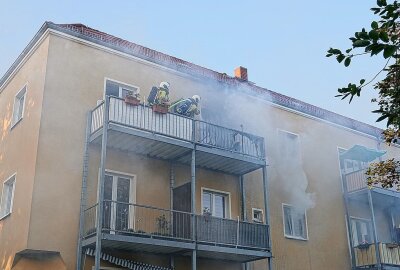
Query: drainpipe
(79,262)
(100,188)
(193,206)
(172,185)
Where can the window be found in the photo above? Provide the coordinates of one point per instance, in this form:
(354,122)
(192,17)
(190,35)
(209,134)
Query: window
(7,197)
(216,203)
(361,231)
(19,106)
(258,215)
(121,90)
(289,146)
(295,222)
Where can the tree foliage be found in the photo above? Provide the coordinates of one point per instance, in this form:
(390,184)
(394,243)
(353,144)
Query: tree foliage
(381,39)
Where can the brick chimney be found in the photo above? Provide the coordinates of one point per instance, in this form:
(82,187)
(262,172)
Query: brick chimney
(241,73)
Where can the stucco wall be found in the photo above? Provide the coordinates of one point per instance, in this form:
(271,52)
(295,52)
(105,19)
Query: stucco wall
(18,147)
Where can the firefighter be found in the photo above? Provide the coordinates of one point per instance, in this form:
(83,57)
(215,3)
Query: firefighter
(187,107)
(159,95)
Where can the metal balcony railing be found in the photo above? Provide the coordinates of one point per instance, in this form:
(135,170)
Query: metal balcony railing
(179,127)
(142,220)
(365,255)
(357,180)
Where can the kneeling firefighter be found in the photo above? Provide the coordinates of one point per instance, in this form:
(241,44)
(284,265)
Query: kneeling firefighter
(187,107)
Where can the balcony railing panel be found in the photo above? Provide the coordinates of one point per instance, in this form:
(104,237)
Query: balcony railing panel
(229,139)
(365,255)
(358,180)
(142,117)
(179,127)
(140,220)
(89,225)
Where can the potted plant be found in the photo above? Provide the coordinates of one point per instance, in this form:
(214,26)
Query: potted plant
(207,214)
(162,225)
(132,98)
(392,245)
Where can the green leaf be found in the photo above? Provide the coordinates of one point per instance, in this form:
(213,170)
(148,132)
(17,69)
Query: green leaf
(374,25)
(377,49)
(389,51)
(384,36)
(363,34)
(381,118)
(329,55)
(361,43)
(340,58)
(347,61)
(362,81)
(373,35)
(349,50)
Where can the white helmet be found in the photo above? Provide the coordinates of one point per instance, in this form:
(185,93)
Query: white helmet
(164,85)
(196,98)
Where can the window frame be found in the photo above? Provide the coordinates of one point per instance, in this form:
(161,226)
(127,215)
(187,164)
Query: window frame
(228,209)
(18,97)
(14,179)
(284,227)
(253,210)
(369,228)
(120,84)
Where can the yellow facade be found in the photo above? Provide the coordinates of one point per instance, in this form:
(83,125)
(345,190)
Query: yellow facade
(66,77)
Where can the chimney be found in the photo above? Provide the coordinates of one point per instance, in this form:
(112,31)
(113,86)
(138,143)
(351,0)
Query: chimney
(241,73)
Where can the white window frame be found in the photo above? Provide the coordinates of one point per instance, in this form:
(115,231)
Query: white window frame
(370,228)
(14,179)
(284,227)
(121,84)
(132,196)
(253,210)
(18,96)
(226,193)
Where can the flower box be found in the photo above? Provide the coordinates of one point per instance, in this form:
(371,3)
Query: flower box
(160,108)
(132,100)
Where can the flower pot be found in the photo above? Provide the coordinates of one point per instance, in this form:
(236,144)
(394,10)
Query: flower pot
(363,246)
(132,100)
(160,108)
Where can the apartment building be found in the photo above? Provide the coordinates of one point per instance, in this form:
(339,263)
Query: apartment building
(258,181)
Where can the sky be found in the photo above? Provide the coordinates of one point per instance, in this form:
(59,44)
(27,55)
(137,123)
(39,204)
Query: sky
(282,43)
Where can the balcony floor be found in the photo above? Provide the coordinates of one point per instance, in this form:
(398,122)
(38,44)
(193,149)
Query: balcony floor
(165,246)
(168,148)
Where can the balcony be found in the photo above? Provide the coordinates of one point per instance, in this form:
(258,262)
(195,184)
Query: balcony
(135,227)
(357,182)
(366,256)
(173,137)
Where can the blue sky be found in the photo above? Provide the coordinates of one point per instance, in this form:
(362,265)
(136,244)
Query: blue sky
(282,43)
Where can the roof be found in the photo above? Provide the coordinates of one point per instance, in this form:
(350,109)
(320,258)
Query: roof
(104,39)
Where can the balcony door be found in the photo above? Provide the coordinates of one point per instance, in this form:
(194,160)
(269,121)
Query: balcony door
(119,195)
(361,231)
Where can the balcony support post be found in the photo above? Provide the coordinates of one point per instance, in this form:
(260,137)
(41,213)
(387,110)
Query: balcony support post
(371,207)
(100,187)
(79,254)
(266,207)
(193,206)
(172,185)
(243,207)
(348,221)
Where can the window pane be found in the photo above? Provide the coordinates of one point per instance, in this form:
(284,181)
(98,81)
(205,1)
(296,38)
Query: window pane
(126,92)
(219,206)
(122,215)
(112,89)
(21,106)
(288,221)
(7,196)
(108,183)
(206,202)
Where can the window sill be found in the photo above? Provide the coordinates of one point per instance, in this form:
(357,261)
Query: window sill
(16,123)
(5,216)
(296,238)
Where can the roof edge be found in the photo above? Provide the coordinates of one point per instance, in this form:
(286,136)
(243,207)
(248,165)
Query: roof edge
(92,35)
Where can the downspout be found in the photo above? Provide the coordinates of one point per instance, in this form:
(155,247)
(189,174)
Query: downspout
(266,207)
(377,253)
(243,207)
(172,185)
